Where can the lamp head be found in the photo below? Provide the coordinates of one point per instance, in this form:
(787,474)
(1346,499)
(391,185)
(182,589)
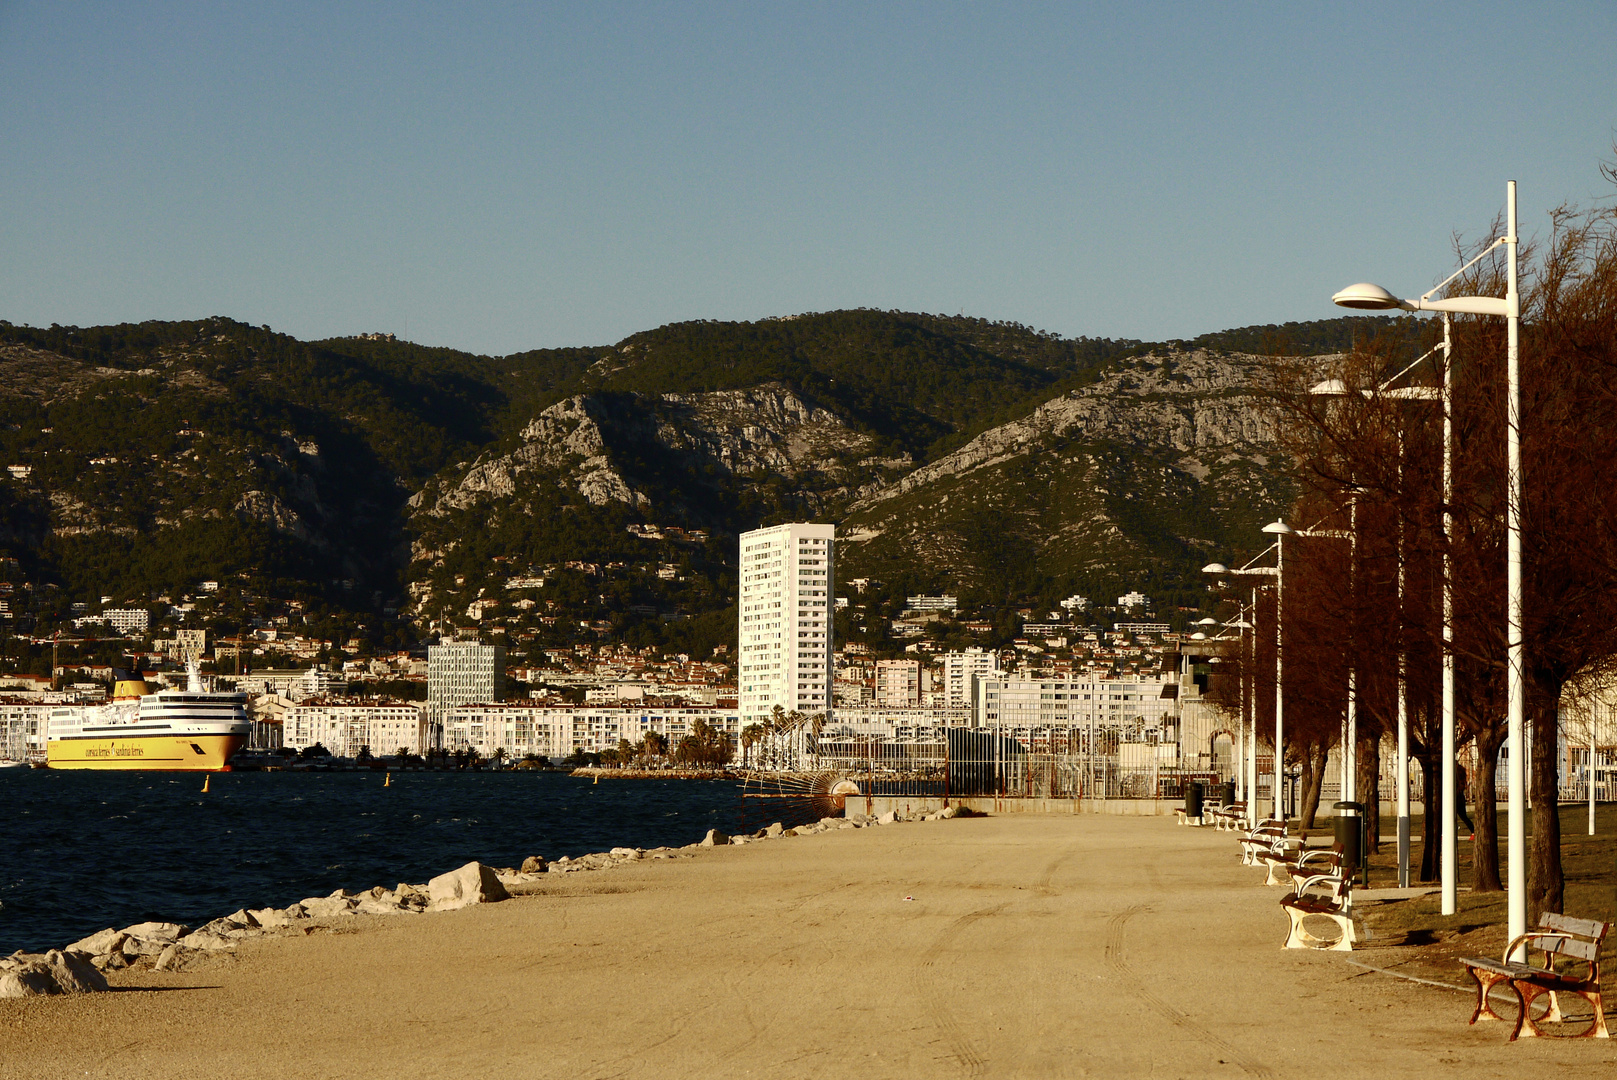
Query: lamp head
(1209,621)
(1215,568)
(1367,297)
(1277,528)
(1330,388)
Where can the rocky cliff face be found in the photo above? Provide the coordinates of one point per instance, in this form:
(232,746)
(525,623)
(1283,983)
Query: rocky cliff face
(1168,454)
(625,448)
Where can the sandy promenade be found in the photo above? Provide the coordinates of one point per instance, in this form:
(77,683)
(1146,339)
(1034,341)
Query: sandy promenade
(1034,946)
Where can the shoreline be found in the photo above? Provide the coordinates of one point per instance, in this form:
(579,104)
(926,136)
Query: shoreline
(1022,945)
(80,966)
(604,773)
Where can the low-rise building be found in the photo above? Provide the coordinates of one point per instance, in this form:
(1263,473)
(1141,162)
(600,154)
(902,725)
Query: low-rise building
(345,726)
(550,730)
(22,729)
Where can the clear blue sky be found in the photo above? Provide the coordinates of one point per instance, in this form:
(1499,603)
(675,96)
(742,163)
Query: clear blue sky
(498,177)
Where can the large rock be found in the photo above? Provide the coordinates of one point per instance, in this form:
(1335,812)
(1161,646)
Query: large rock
(100,944)
(156,931)
(325,907)
(533,864)
(715,838)
(53,972)
(473,883)
(205,940)
(775,830)
(270,918)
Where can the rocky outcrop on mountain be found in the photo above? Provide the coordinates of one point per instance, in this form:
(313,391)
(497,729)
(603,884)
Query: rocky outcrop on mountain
(1167,454)
(619,448)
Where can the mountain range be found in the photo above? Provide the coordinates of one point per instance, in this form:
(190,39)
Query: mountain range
(377,480)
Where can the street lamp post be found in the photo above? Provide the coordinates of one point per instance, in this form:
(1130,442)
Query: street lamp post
(1374,297)
(1336,388)
(1279,530)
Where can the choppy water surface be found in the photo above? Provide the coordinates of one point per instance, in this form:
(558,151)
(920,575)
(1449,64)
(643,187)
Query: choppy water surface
(80,851)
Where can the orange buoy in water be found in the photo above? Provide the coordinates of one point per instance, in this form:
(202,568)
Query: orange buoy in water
(205,778)
(387,780)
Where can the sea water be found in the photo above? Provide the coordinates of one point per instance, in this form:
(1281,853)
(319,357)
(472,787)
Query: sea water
(82,851)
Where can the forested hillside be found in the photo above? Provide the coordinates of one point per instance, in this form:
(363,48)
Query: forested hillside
(365,477)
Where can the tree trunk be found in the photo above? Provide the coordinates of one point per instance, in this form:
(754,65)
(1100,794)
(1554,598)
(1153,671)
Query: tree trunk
(1485,848)
(1431,853)
(1546,884)
(1313,779)
(1369,782)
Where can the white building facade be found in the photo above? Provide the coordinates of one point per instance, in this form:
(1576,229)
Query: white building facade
(555,731)
(784,635)
(958,669)
(22,729)
(344,726)
(1130,705)
(462,673)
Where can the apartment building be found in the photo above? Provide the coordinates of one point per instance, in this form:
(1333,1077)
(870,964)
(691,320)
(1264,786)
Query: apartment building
(1132,705)
(22,729)
(784,634)
(462,673)
(898,683)
(555,731)
(958,669)
(344,726)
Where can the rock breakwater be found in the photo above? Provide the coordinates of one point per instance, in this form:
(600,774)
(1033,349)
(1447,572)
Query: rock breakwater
(81,967)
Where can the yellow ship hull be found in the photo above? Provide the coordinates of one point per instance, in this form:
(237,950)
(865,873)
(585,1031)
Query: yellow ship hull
(178,753)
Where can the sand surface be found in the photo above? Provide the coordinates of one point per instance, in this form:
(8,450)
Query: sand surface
(1033,946)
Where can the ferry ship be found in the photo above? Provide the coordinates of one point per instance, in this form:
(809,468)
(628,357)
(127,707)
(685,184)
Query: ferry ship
(189,730)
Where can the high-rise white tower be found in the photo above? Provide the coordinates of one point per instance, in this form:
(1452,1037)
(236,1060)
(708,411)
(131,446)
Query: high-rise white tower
(784,655)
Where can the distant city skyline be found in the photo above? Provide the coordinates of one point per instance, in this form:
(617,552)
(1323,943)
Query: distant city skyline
(499,177)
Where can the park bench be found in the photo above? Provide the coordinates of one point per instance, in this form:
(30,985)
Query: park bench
(1314,862)
(1225,818)
(1260,840)
(1328,896)
(1573,942)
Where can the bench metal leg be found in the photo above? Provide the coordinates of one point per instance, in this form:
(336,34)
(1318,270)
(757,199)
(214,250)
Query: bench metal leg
(1528,992)
(1486,981)
(1300,938)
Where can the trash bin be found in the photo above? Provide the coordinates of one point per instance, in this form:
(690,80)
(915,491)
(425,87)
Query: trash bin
(1229,793)
(1349,835)
(1193,800)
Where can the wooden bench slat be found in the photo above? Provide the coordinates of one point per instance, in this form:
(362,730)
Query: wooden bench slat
(1588,928)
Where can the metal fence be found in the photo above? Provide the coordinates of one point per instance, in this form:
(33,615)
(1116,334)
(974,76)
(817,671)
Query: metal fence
(1051,764)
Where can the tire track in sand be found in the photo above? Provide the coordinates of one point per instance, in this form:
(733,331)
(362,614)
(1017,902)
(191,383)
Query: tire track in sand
(1116,960)
(938,997)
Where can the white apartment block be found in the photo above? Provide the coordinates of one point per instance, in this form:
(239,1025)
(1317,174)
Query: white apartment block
(895,723)
(898,683)
(555,731)
(462,673)
(784,646)
(125,620)
(1131,705)
(344,726)
(22,729)
(958,669)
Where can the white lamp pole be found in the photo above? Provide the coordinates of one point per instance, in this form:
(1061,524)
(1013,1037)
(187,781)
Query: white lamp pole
(1374,297)
(1450,870)
(1279,529)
